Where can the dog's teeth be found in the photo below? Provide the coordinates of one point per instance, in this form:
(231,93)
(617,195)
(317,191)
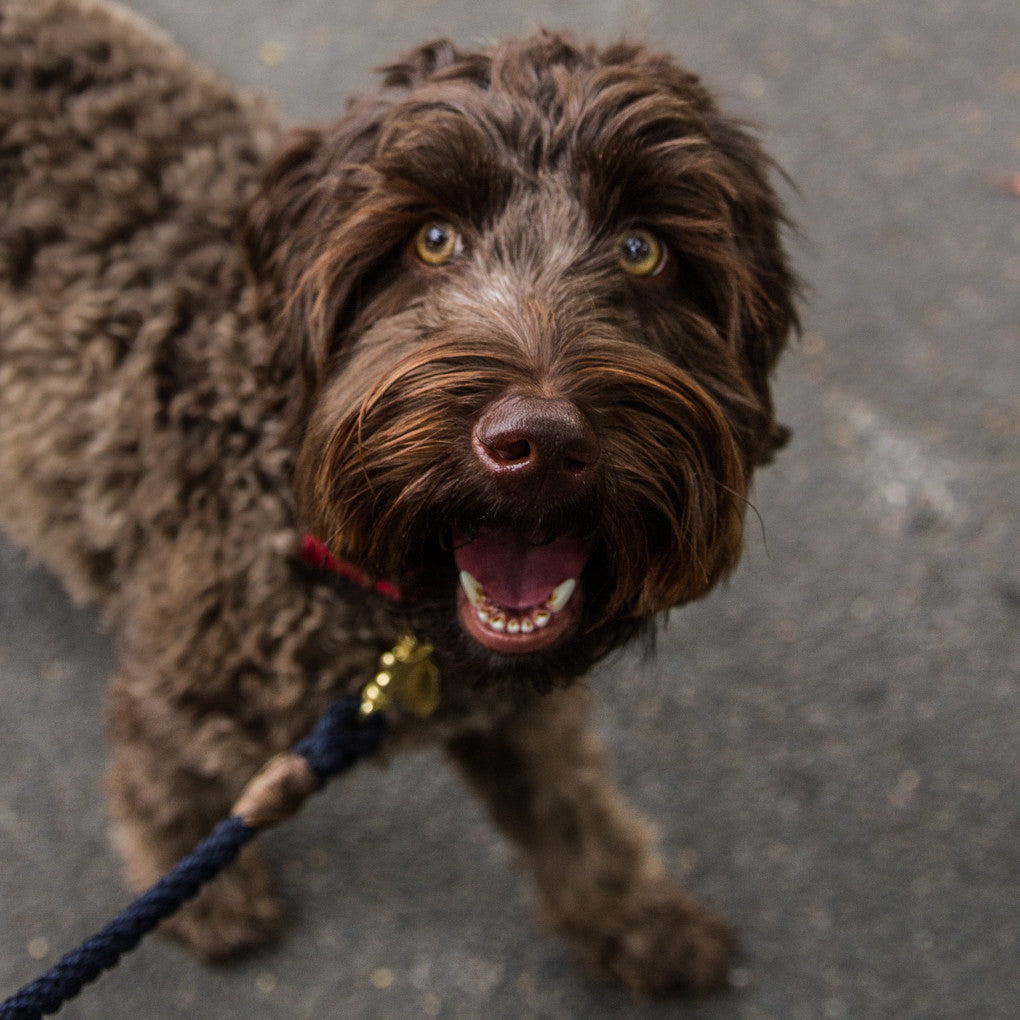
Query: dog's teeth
(501,621)
(472,588)
(561,595)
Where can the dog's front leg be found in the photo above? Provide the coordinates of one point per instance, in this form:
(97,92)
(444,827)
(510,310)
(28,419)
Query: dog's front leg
(600,882)
(170,782)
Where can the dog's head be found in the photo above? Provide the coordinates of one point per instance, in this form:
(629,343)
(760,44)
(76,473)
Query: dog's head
(528,299)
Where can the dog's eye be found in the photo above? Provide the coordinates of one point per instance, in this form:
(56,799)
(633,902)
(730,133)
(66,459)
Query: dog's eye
(639,252)
(437,242)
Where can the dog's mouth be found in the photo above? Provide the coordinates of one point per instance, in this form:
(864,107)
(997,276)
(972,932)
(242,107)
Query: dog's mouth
(515,595)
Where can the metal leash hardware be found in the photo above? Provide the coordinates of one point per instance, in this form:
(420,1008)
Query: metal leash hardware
(407,674)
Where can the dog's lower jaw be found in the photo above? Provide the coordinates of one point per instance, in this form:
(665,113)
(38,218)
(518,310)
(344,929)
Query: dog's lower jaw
(518,633)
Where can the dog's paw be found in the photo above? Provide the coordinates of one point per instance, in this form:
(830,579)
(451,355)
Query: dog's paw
(234,912)
(661,941)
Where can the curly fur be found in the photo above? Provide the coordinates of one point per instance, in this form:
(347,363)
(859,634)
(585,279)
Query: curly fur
(173,403)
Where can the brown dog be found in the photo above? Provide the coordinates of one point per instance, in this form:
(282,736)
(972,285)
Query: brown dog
(500,338)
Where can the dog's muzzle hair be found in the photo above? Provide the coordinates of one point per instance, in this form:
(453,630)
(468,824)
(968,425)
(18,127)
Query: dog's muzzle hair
(529,317)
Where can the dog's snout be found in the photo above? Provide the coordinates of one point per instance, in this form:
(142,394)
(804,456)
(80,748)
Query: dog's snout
(540,440)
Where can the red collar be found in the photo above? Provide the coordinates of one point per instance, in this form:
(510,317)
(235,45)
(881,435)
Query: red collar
(315,554)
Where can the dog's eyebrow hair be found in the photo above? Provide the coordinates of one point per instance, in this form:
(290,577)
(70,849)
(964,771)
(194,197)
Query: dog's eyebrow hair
(465,165)
(447,158)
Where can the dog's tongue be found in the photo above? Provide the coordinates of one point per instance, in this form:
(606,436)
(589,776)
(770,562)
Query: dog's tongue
(515,573)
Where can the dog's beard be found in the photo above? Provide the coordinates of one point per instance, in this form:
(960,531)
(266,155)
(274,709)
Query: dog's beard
(513,585)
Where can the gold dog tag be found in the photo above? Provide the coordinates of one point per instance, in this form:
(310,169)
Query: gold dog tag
(408,673)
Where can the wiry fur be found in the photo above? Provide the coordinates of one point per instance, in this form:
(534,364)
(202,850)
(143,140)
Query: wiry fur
(173,403)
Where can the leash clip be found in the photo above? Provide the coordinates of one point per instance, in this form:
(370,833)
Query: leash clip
(407,674)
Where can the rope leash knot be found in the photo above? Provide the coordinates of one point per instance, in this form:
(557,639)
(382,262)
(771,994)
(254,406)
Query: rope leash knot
(352,728)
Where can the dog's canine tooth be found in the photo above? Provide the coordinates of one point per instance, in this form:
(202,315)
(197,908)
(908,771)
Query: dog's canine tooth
(561,595)
(472,589)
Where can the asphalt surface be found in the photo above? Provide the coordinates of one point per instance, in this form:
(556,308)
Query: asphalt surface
(829,744)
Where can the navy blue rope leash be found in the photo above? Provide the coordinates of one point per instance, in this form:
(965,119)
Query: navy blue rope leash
(343,736)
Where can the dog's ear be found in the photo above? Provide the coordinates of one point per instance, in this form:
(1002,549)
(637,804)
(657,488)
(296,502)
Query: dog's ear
(304,190)
(273,221)
(307,172)
(767,297)
(760,310)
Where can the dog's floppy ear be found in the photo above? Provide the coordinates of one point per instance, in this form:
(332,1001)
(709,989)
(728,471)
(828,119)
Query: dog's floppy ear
(768,313)
(273,220)
(304,190)
(307,189)
(762,313)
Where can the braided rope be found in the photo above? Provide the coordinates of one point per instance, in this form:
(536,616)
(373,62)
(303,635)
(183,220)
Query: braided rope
(338,740)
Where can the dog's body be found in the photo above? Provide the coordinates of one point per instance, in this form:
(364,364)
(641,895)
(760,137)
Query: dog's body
(520,304)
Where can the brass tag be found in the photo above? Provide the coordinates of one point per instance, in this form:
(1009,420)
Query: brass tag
(407,673)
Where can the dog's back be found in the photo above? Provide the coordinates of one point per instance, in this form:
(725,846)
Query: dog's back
(123,297)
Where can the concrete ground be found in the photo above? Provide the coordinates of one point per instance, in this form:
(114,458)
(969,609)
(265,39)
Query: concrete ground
(829,744)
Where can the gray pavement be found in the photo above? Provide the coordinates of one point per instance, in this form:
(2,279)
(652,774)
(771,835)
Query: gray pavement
(829,744)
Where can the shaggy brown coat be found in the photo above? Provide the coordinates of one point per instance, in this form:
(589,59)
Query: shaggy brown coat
(174,403)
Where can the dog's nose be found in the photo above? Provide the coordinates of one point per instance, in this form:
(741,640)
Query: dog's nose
(542,441)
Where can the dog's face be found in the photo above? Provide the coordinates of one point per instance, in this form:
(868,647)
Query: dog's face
(528,299)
